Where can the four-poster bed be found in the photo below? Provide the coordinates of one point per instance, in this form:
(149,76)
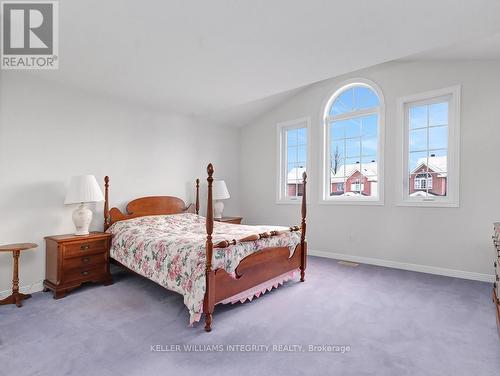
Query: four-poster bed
(208,265)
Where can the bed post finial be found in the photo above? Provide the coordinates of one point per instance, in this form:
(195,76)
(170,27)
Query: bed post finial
(197,207)
(106,203)
(208,304)
(303,226)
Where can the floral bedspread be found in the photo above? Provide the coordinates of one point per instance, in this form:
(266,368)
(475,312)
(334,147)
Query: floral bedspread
(170,250)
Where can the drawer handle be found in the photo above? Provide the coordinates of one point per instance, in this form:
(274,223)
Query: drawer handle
(85,247)
(86,272)
(85,259)
(498,279)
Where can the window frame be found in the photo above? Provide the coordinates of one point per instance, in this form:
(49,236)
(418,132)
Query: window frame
(282,175)
(325,197)
(452,96)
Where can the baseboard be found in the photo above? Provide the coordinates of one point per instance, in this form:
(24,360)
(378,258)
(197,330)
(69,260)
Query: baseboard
(27,289)
(405,266)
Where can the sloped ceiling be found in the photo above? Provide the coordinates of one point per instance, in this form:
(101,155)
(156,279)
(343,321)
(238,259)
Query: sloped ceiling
(487,48)
(212,57)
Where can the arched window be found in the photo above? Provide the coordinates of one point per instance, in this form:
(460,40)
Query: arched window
(353,134)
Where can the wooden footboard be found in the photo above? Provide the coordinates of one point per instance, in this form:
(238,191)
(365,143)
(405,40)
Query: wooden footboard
(255,269)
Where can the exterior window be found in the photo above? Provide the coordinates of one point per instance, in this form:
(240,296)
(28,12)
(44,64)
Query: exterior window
(293,156)
(431,148)
(352,144)
(357,187)
(422,182)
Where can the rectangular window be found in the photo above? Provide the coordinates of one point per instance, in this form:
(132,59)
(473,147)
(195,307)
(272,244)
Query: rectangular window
(357,187)
(431,124)
(292,158)
(422,182)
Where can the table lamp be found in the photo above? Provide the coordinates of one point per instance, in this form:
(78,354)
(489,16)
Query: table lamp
(82,190)
(219,193)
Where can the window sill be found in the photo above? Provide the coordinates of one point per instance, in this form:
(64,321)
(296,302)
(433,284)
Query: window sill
(289,202)
(429,204)
(377,202)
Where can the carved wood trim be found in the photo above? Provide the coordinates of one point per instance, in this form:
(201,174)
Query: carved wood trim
(197,196)
(106,203)
(209,301)
(303,227)
(252,238)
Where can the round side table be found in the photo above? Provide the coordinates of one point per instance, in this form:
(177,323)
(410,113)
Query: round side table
(16,297)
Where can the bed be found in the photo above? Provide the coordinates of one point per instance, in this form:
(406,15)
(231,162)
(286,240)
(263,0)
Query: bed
(208,262)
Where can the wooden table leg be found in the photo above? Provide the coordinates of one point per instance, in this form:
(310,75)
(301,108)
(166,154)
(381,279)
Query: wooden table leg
(16,297)
(15,274)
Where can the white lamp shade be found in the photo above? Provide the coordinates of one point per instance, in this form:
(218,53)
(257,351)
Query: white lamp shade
(220,191)
(83,188)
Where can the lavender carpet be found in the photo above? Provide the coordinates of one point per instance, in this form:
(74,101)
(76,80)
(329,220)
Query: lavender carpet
(390,322)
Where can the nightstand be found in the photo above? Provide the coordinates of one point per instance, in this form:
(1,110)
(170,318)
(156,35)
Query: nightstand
(233,220)
(71,260)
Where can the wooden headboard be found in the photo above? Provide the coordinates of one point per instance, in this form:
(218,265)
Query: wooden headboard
(143,206)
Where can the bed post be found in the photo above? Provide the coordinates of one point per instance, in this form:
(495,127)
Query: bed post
(208,303)
(106,203)
(303,226)
(197,207)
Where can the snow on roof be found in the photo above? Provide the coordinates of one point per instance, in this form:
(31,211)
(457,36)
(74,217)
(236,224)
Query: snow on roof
(369,170)
(295,175)
(436,164)
(421,194)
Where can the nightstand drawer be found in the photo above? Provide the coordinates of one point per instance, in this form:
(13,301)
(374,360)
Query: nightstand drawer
(83,248)
(83,261)
(86,273)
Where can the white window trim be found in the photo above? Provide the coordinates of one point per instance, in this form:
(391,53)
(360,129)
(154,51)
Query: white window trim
(325,198)
(453,159)
(281,127)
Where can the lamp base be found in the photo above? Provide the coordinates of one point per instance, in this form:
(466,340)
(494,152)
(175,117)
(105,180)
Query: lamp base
(218,209)
(82,216)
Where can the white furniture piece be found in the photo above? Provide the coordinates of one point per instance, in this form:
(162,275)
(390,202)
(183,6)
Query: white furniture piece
(220,193)
(82,190)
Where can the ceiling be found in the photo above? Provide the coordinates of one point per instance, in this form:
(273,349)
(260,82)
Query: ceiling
(487,48)
(221,57)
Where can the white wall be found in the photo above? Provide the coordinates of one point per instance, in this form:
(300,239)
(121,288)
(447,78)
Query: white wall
(49,132)
(449,238)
